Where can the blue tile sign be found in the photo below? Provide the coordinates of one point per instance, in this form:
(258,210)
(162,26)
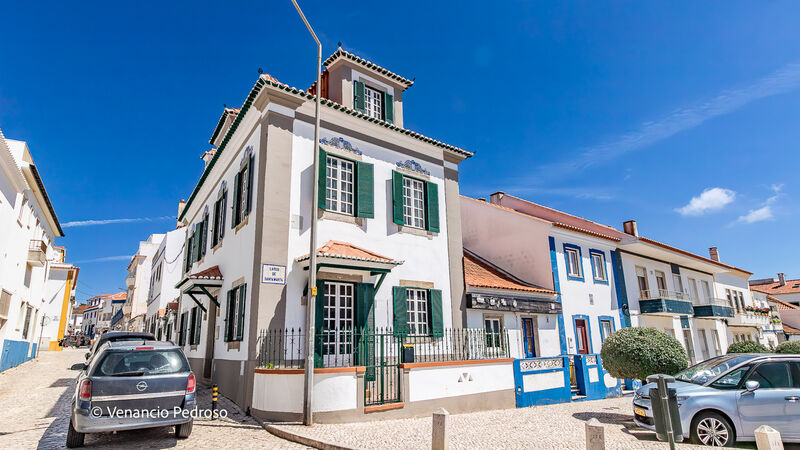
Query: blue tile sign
(273,274)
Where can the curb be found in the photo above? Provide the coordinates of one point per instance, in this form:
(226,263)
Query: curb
(311,442)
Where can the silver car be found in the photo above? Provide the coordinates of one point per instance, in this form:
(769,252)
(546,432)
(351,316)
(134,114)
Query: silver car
(724,399)
(132,385)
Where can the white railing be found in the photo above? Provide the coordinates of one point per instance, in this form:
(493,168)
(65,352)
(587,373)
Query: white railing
(712,301)
(665,294)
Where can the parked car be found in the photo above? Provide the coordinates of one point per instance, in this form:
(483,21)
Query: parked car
(118,336)
(132,385)
(724,399)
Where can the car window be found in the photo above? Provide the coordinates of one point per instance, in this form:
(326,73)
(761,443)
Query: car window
(796,373)
(149,362)
(731,379)
(772,375)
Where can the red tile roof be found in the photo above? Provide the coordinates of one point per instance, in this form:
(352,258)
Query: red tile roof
(776,288)
(212,273)
(346,250)
(782,305)
(80,309)
(480,273)
(119,296)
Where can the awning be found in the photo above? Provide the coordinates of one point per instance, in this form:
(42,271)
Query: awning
(200,283)
(344,255)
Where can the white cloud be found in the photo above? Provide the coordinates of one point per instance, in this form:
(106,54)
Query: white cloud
(105,259)
(765,212)
(783,80)
(87,223)
(710,200)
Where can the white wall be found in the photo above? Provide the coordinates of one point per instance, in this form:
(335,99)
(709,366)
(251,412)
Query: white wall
(284,392)
(168,261)
(429,383)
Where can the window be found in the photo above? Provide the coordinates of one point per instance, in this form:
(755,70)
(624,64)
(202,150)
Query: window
(706,290)
(340,175)
(741,299)
(494,336)
(182,331)
(373,102)
(27,324)
(701,335)
(234,316)
(731,379)
(730,300)
(413,202)
(598,266)
(417,308)
(606,328)
(242,192)
(641,277)
(693,289)
(715,341)
(573,255)
(28,276)
(772,375)
(219,218)
(194,337)
(661,282)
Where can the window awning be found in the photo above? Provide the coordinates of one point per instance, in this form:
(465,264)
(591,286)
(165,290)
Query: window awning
(201,283)
(348,256)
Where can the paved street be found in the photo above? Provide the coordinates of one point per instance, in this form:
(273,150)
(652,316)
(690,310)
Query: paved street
(35,412)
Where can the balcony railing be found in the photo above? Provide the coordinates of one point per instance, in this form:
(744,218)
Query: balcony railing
(712,301)
(37,253)
(285,348)
(663,294)
(37,246)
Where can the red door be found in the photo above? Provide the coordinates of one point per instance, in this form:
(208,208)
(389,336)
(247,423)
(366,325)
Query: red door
(583,340)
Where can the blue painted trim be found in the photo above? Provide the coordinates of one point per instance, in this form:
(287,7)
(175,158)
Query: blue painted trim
(529,352)
(594,251)
(566,262)
(600,320)
(622,292)
(561,394)
(588,330)
(562,335)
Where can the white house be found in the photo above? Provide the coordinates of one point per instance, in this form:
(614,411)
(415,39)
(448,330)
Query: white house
(138,283)
(388,245)
(36,285)
(92,314)
(167,270)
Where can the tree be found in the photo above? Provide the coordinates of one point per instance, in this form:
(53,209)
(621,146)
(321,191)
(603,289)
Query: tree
(747,347)
(790,347)
(638,352)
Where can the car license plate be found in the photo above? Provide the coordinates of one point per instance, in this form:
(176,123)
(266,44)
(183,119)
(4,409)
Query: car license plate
(639,411)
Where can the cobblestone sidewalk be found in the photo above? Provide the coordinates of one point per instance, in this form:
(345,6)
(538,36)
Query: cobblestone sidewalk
(542,427)
(35,412)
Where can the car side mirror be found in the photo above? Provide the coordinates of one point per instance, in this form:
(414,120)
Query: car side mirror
(88,355)
(751,385)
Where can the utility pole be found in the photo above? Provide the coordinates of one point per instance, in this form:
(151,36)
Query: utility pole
(312,261)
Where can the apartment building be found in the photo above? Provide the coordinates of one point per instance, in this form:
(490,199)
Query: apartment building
(167,270)
(138,284)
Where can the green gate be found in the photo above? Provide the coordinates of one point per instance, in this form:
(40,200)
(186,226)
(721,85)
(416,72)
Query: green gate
(380,353)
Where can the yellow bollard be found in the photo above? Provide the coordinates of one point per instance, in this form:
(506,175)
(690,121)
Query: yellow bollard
(214,395)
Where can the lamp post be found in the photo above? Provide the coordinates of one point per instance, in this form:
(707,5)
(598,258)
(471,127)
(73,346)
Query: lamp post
(312,261)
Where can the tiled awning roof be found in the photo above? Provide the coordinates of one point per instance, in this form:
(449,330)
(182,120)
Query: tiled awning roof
(339,53)
(212,273)
(481,273)
(346,250)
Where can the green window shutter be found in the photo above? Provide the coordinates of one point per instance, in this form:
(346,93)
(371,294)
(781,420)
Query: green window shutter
(388,107)
(236,201)
(397,197)
(319,309)
(365,298)
(432,206)
(358,97)
(181,336)
(228,307)
(223,211)
(365,354)
(400,311)
(192,320)
(240,313)
(198,326)
(250,167)
(323,178)
(437,322)
(364,185)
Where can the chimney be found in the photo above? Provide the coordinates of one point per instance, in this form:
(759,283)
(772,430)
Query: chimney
(782,279)
(713,253)
(629,227)
(207,156)
(496,197)
(181,205)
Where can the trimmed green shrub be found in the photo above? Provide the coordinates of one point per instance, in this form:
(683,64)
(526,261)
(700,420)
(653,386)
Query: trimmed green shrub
(747,347)
(791,347)
(638,352)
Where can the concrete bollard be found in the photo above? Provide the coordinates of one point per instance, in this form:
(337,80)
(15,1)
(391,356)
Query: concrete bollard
(768,438)
(595,435)
(440,439)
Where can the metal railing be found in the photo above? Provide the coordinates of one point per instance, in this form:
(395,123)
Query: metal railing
(663,293)
(285,348)
(37,246)
(712,301)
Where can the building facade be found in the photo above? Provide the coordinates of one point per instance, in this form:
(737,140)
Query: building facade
(138,283)
(36,284)
(167,270)
(388,245)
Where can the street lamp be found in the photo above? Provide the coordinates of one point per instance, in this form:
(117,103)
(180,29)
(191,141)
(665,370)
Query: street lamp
(312,263)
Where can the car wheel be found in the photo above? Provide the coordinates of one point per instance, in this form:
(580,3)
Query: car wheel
(74,438)
(712,429)
(183,430)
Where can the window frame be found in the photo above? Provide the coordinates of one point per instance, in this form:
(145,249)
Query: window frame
(373,107)
(418,327)
(576,250)
(418,212)
(338,190)
(594,253)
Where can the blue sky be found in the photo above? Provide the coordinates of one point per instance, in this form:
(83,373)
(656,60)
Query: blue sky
(681,115)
